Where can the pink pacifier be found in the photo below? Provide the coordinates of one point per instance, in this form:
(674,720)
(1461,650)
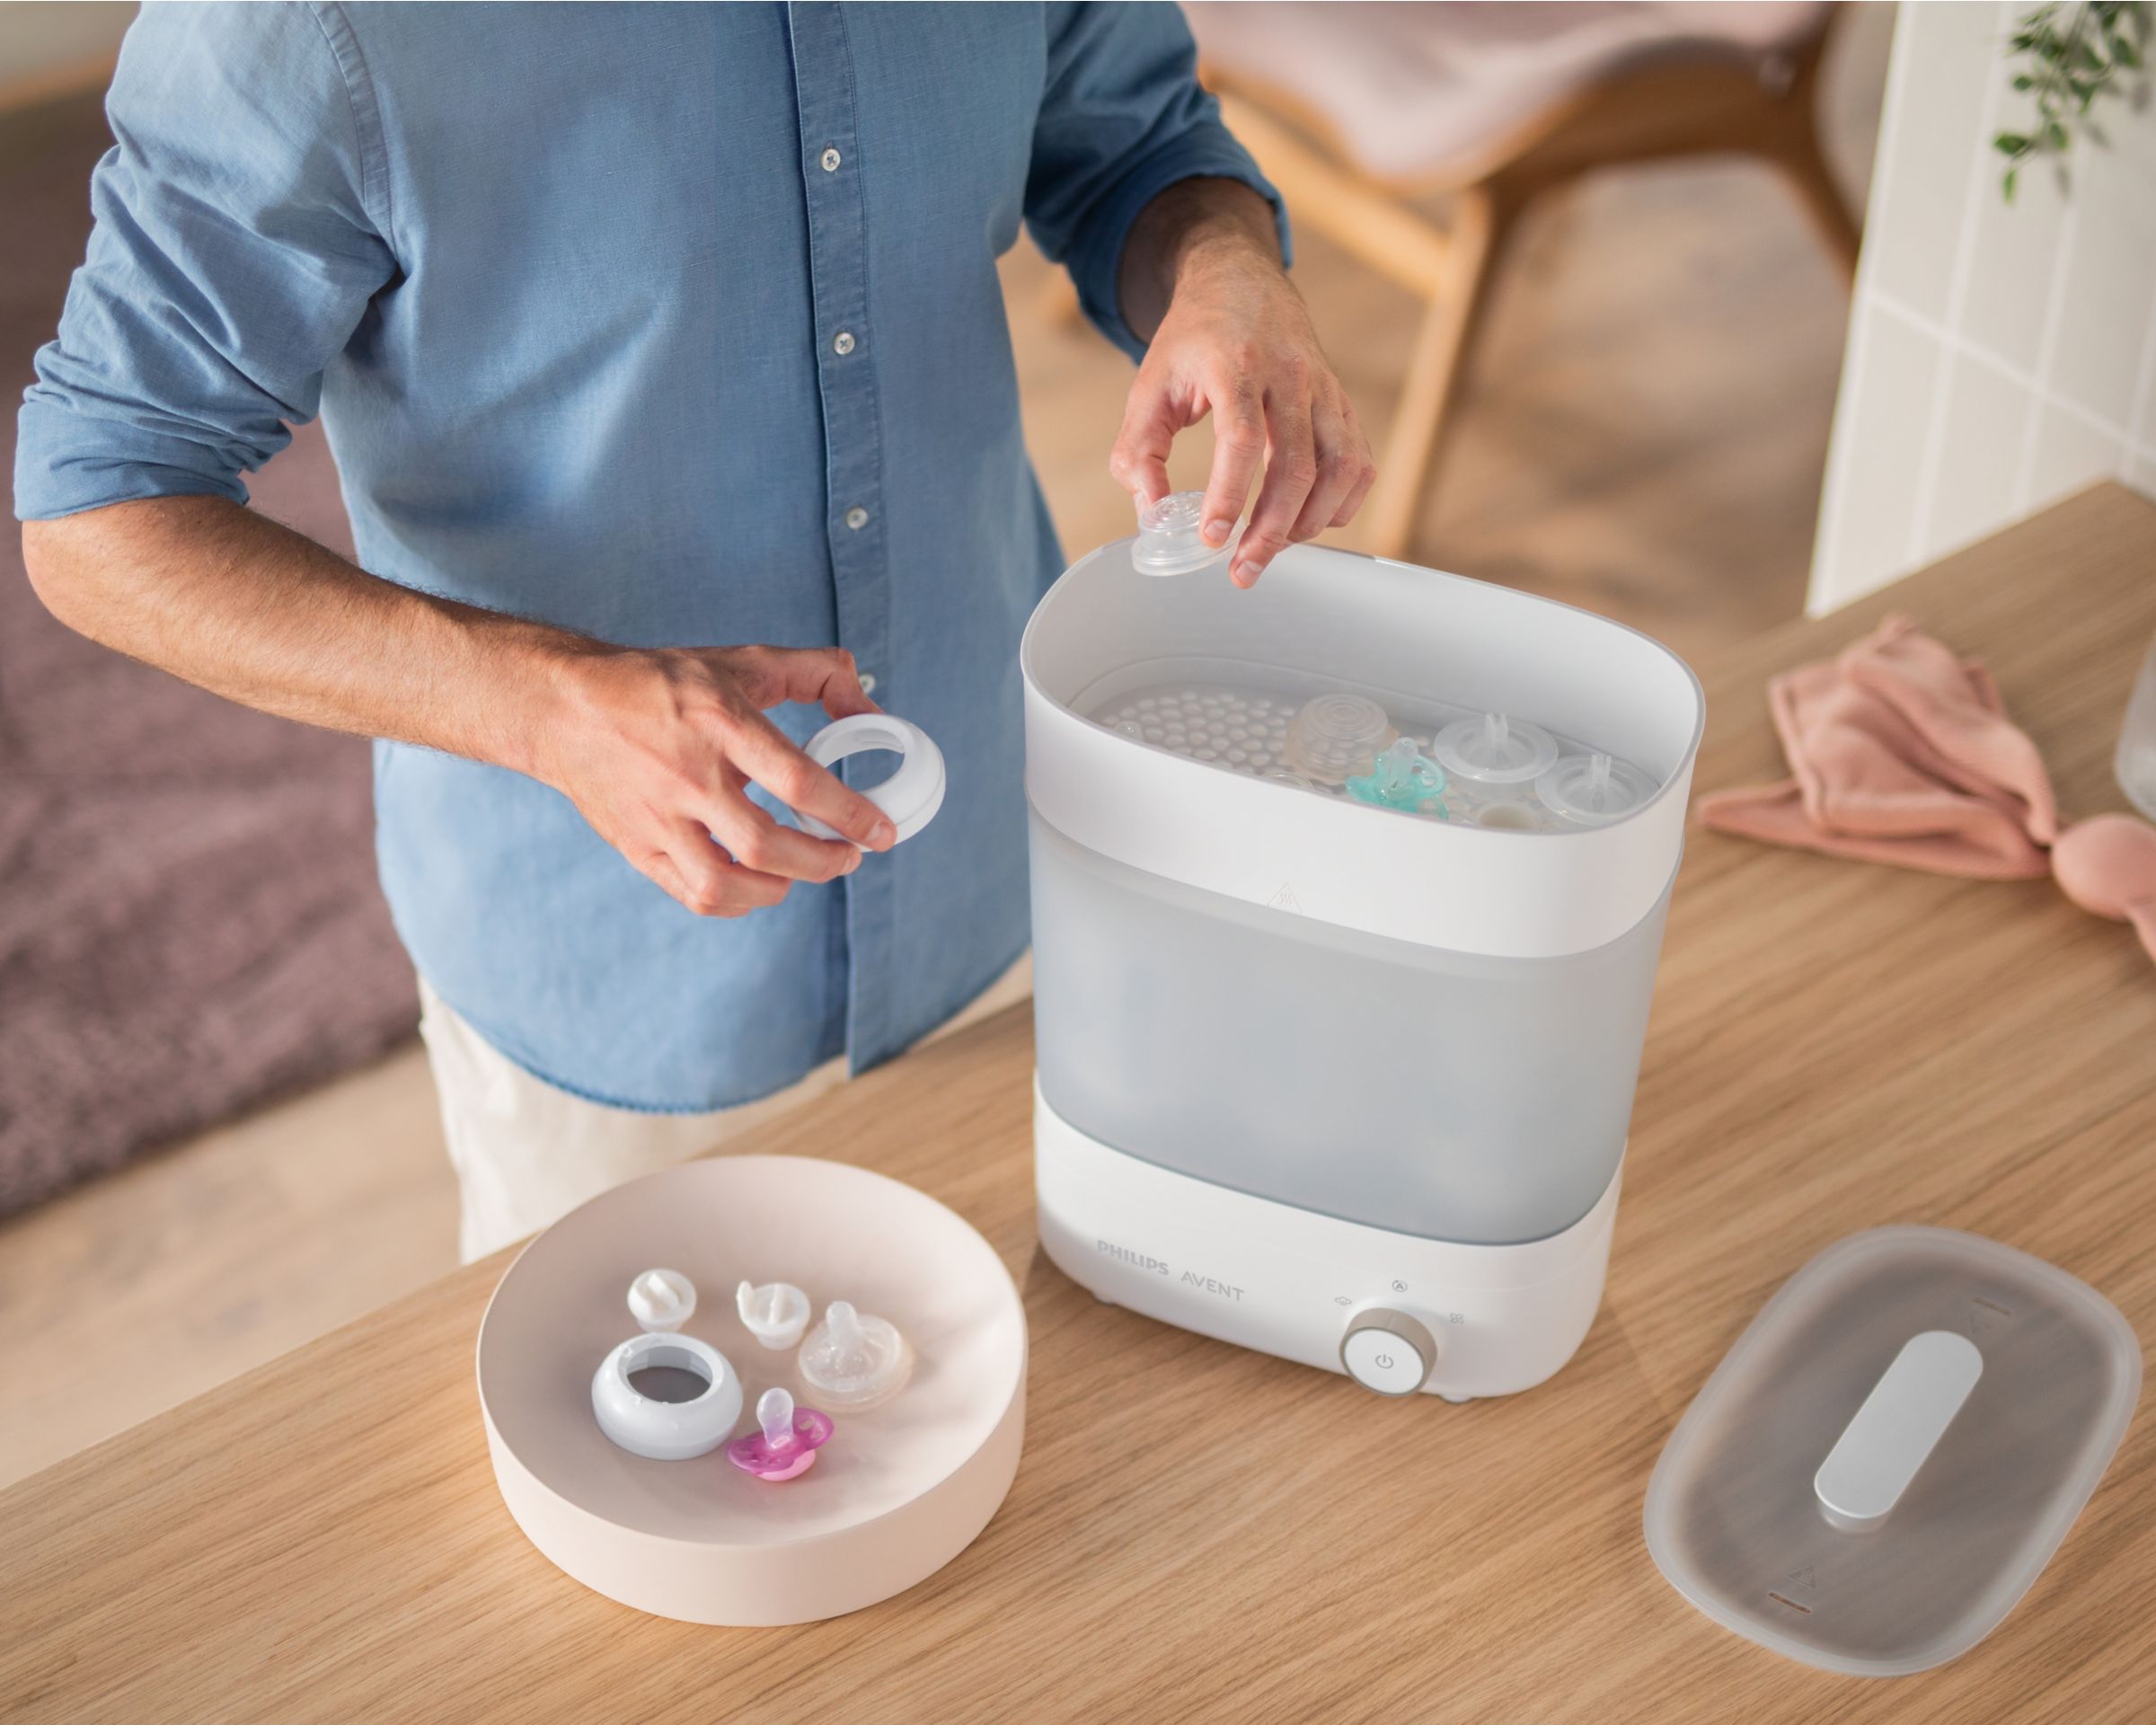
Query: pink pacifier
(786,1447)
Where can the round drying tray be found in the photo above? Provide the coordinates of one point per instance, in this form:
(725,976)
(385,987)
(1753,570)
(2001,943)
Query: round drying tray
(898,1493)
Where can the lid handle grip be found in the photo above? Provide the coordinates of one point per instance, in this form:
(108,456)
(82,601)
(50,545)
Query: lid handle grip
(1901,1420)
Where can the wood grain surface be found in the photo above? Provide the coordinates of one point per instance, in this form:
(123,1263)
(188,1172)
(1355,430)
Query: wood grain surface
(1198,1533)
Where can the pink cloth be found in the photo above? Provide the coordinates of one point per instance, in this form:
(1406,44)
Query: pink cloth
(1902,753)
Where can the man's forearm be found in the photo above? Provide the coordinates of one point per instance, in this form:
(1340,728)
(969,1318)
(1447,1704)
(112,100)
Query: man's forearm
(1189,224)
(227,599)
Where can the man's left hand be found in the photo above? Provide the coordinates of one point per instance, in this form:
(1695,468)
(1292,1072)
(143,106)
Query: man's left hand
(1234,341)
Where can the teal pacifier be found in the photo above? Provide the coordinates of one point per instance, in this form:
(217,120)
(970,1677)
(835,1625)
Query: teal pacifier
(1404,778)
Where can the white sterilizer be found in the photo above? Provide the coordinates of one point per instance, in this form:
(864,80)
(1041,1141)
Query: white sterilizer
(1347,893)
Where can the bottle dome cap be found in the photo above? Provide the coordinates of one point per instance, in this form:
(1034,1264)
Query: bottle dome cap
(1170,542)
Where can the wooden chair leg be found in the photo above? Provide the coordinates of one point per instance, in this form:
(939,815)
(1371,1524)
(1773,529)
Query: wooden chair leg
(1409,456)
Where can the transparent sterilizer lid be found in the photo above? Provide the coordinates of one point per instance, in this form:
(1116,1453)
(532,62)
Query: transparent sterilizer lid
(1892,1450)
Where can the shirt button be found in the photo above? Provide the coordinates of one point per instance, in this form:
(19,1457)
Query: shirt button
(843,342)
(857,518)
(830,158)
(868,681)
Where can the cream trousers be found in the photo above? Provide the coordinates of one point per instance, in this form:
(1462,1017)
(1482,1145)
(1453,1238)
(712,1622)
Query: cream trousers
(526,1152)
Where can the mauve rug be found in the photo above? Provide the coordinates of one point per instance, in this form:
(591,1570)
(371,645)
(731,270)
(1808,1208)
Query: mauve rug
(189,921)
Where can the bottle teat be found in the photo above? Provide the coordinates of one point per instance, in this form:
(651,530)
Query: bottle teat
(854,1361)
(662,1299)
(1492,748)
(775,1313)
(1593,790)
(787,1444)
(1168,539)
(1401,778)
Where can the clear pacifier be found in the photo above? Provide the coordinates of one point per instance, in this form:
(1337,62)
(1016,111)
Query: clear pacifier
(1402,778)
(775,1313)
(1338,737)
(1168,540)
(1593,790)
(855,1362)
(786,1447)
(1494,750)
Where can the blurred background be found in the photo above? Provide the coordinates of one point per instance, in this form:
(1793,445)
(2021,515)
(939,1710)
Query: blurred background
(1587,271)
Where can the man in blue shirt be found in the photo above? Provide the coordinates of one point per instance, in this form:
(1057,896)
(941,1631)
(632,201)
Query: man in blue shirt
(662,352)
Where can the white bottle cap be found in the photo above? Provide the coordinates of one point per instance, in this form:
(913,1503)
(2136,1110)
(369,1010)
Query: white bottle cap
(911,795)
(775,1313)
(662,1299)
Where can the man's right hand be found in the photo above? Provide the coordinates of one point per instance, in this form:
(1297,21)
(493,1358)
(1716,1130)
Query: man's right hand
(657,749)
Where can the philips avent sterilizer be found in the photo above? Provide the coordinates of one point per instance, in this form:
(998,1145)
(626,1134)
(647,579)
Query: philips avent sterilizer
(1347,893)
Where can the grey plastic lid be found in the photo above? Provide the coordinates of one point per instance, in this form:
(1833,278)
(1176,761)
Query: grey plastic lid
(1892,1450)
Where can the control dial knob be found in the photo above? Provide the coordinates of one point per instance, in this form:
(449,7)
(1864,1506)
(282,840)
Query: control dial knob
(1388,1351)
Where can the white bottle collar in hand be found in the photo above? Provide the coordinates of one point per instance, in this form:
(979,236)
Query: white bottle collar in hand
(910,796)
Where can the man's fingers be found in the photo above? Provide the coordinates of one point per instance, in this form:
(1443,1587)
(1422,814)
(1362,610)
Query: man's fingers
(1150,419)
(1290,472)
(1340,462)
(757,842)
(824,677)
(768,756)
(1238,442)
(699,877)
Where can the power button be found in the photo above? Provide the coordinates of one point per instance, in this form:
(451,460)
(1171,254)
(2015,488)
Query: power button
(1388,1351)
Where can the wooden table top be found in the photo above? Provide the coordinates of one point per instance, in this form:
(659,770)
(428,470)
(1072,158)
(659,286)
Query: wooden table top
(1834,1046)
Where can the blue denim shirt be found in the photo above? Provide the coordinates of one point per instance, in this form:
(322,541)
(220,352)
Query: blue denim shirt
(566,283)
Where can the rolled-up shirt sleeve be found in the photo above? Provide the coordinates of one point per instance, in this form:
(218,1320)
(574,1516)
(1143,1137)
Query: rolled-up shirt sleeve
(1122,118)
(240,233)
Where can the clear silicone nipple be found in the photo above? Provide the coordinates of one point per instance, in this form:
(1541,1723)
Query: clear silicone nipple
(775,1313)
(662,1299)
(1338,737)
(1401,778)
(1594,789)
(785,1447)
(855,1362)
(1493,749)
(1169,541)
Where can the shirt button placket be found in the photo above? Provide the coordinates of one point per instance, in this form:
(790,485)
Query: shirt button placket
(841,332)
